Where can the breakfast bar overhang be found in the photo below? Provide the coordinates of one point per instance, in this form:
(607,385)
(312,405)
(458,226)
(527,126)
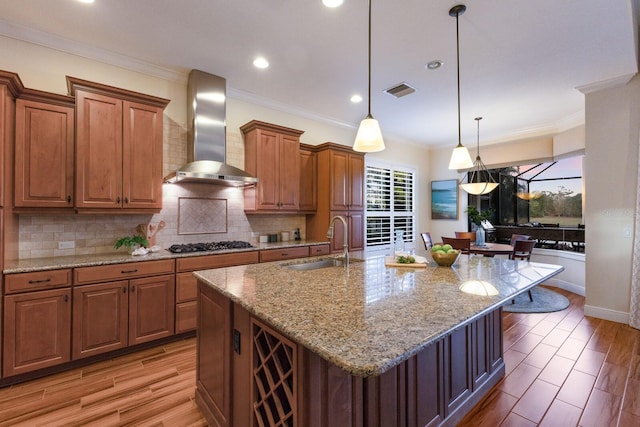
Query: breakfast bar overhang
(356,345)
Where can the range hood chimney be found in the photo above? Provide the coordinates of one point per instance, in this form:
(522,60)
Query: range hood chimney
(206,149)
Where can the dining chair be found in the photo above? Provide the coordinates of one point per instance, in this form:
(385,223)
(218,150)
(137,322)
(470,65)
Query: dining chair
(515,237)
(522,249)
(458,243)
(426,238)
(466,235)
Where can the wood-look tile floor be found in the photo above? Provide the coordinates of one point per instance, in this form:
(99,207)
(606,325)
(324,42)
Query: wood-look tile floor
(153,387)
(562,369)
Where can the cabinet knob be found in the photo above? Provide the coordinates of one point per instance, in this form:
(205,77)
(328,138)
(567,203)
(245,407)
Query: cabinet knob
(124,289)
(133,288)
(135,270)
(68,199)
(32,282)
(66,298)
(118,199)
(126,200)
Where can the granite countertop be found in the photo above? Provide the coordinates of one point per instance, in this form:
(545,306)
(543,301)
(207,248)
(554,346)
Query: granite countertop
(368,317)
(54,263)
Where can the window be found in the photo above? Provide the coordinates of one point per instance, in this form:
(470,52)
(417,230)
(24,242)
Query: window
(390,204)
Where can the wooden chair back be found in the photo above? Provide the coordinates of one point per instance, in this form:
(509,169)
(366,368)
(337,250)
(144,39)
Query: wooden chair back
(522,249)
(515,237)
(426,238)
(463,244)
(466,235)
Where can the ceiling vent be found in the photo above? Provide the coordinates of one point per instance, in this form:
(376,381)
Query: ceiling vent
(400,90)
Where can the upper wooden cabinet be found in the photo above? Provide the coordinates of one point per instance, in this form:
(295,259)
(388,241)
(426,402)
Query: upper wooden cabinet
(272,154)
(44,151)
(118,149)
(308,179)
(341,192)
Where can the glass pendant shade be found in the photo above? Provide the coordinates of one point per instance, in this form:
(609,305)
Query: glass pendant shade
(478,188)
(475,186)
(369,137)
(460,158)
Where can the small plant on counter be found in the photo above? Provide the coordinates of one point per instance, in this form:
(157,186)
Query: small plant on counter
(131,242)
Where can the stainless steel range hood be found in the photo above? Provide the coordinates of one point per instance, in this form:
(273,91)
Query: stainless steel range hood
(206,150)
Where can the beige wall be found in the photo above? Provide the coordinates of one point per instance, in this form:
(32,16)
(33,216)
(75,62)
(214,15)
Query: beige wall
(611,165)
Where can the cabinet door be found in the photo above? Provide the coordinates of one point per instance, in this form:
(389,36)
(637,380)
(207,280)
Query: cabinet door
(289,173)
(356,182)
(339,172)
(151,308)
(37,330)
(44,155)
(267,167)
(98,151)
(142,156)
(308,181)
(99,318)
(356,230)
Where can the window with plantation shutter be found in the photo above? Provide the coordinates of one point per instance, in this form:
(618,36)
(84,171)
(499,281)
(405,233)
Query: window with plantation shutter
(390,204)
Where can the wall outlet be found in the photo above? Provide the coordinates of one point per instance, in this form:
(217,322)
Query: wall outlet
(67,245)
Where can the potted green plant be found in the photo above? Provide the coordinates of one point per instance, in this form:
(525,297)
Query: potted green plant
(132,242)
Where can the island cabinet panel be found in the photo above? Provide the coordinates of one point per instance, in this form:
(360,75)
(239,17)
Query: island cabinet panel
(37,330)
(457,368)
(44,152)
(213,376)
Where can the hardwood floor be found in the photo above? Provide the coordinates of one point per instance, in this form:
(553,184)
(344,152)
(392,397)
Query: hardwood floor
(562,369)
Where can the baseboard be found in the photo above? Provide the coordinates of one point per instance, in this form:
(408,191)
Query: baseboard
(567,286)
(606,314)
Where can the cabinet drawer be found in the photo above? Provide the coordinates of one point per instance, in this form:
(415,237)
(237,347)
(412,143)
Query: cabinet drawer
(319,250)
(283,253)
(215,261)
(103,273)
(186,316)
(186,287)
(39,280)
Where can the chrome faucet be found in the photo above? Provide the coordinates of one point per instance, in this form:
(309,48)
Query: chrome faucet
(345,244)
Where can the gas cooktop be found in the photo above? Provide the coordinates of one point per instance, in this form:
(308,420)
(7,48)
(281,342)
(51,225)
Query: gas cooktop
(211,246)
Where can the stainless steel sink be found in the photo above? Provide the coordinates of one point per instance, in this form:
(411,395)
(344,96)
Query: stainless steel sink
(320,263)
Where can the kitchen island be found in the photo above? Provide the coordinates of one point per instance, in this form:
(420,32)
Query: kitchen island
(350,346)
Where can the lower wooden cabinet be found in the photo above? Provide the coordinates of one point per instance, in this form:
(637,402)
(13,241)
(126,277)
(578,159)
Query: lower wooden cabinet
(113,315)
(37,330)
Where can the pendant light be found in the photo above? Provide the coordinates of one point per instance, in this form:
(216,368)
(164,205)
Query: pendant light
(460,158)
(474,186)
(369,138)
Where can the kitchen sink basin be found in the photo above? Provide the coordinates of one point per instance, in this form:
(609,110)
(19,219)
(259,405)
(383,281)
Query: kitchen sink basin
(321,263)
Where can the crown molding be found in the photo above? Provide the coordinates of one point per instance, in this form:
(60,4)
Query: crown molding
(606,84)
(41,38)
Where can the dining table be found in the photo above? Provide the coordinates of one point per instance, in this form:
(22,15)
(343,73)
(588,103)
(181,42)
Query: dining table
(491,249)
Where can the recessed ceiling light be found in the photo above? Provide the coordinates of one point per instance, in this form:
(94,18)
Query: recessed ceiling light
(86,1)
(332,3)
(434,65)
(260,62)
(356,98)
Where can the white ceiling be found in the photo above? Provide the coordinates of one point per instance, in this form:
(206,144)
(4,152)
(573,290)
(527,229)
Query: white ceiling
(521,61)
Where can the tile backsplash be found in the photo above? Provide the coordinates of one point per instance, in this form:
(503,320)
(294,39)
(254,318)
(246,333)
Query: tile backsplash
(40,235)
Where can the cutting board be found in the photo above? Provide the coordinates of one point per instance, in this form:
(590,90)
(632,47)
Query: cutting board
(391,262)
